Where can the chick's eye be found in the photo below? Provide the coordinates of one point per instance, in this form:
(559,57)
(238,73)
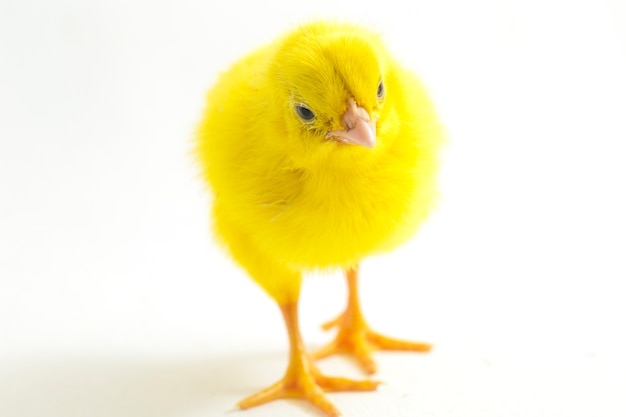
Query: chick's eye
(305,113)
(380,93)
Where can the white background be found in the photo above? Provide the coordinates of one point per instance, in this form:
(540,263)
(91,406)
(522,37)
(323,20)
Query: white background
(114,301)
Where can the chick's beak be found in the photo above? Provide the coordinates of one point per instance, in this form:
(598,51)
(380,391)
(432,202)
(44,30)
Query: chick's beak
(359,129)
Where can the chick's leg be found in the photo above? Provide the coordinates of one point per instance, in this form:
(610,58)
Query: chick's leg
(303,379)
(355,336)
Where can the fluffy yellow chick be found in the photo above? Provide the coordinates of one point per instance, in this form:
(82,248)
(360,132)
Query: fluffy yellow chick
(320,150)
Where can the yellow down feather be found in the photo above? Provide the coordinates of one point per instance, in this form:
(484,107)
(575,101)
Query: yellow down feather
(287,199)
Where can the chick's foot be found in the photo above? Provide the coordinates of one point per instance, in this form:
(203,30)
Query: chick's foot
(304,381)
(356,338)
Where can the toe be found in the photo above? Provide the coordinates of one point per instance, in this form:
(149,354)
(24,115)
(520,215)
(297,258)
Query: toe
(332,323)
(316,397)
(334,384)
(387,343)
(366,361)
(271,393)
(328,350)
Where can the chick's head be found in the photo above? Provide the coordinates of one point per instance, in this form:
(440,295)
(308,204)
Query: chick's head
(334,85)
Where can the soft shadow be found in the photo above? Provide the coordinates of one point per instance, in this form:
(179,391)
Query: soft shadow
(132,387)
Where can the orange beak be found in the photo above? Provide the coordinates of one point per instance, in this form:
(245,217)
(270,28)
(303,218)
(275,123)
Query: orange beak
(359,129)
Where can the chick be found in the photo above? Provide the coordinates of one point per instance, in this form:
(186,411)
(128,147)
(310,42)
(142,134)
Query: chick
(321,150)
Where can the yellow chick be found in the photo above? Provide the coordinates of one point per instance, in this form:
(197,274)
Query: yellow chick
(321,150)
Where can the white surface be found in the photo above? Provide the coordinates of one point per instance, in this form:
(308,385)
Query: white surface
(115,302)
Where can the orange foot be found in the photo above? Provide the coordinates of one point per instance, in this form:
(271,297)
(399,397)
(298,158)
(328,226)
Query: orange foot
(303,380)
(356,338)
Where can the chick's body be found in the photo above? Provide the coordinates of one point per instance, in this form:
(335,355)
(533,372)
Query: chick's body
(290,194)
(309,208)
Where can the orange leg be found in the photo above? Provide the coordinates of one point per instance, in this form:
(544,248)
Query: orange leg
(356,337)
(303,379)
